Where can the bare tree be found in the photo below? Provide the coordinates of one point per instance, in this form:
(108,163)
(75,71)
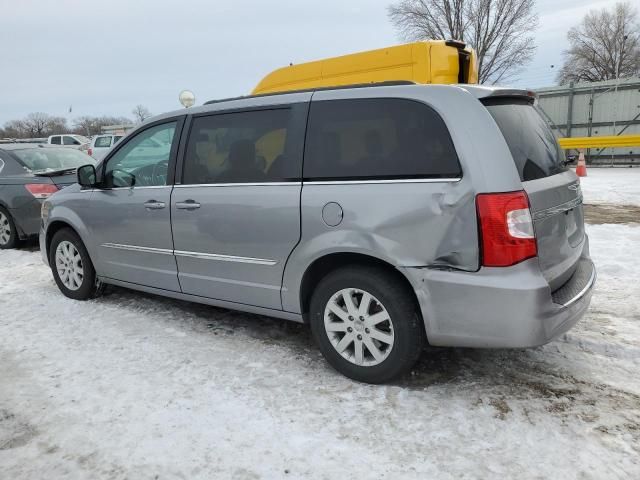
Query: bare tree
(140,113)
(39,124)
(90,125)
(14,129)
(606,45)
(499,30)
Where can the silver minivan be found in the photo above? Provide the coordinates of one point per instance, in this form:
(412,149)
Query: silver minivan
(386,217)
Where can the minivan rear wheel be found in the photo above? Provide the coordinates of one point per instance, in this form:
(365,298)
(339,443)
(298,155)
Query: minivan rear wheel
(8,231)
(366,323)
(72,268)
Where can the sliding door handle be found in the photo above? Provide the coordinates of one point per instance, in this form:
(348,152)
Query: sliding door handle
(154,205)
(187,205)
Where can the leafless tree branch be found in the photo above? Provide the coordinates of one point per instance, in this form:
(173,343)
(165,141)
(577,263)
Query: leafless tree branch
(499,30)
(606,45)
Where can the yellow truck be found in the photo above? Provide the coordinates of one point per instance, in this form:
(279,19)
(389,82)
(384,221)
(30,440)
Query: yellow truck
(433,61)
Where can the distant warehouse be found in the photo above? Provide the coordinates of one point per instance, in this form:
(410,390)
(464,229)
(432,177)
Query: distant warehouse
(596,109)
(117,129)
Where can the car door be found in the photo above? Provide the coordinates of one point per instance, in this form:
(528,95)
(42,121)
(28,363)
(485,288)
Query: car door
(130,219)
(236,213)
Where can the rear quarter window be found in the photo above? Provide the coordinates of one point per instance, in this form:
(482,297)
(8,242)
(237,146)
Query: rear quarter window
(377,139)
(533,145)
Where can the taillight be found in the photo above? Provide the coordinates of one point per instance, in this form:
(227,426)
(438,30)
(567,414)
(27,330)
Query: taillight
(90,152)
(506,228)
(41,190)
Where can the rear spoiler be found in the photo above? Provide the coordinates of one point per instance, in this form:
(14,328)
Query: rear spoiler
(513,93)
(54,173)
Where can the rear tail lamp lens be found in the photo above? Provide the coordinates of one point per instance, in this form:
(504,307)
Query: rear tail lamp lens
(506,229)
(41,190)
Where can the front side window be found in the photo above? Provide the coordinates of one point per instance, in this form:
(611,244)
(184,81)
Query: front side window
(55,141)
(377,139)
(144,160)
(70,141)
(242,147)
(103,142)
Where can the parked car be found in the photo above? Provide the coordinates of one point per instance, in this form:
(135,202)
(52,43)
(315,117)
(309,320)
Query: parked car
(421,213)
(100,145)
(72,141)
(30,173)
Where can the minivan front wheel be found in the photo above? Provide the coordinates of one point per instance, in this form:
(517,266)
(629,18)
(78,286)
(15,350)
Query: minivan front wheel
(72,268)
(366,324)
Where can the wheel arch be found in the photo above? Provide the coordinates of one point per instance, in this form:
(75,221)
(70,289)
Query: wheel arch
(328,263)
(54,227)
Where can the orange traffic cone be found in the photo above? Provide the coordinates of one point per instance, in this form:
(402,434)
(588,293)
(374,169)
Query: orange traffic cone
(581,169)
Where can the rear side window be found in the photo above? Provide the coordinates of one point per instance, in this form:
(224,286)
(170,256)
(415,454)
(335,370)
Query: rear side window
(103,142)
(242,147)
(55,141)
(371,139)
(533,145)
(70,141)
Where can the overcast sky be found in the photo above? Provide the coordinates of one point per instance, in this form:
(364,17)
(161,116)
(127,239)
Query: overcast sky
(104,57)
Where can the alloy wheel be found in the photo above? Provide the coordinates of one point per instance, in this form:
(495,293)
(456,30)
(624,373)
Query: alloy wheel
(359,327)
(69,265)
(5,229)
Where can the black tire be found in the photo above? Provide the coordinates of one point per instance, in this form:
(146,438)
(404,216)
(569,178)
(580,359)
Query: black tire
(408,329)
(7,222)
(89,286)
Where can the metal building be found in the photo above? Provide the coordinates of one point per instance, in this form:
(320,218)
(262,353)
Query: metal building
(595,109)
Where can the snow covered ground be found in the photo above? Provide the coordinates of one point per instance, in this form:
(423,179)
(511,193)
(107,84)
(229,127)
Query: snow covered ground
(612,185)
(136,386)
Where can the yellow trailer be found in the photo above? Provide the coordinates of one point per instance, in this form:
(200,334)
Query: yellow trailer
(433,61)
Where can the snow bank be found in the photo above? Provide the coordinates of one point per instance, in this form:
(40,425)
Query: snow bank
(612,185)
(137,386)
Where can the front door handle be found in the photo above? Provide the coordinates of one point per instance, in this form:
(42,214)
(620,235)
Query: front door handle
(187,205)
(154,205)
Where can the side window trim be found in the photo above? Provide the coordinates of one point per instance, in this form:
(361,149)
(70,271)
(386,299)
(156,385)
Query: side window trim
(180,121)
(297,124)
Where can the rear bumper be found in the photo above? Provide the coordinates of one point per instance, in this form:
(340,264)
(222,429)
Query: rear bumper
(500,307)
(27,218)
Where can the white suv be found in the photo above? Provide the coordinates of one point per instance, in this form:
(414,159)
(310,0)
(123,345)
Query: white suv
(100,145)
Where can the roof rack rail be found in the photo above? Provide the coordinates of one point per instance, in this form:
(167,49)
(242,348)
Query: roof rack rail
(318,89)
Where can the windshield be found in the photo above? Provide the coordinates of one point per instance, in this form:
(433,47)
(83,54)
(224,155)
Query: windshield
(533,145)
(52,159)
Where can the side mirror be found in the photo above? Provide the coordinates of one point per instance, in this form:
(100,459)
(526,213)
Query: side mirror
(87,176)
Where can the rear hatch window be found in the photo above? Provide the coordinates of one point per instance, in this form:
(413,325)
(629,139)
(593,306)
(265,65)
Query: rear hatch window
(533,145)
